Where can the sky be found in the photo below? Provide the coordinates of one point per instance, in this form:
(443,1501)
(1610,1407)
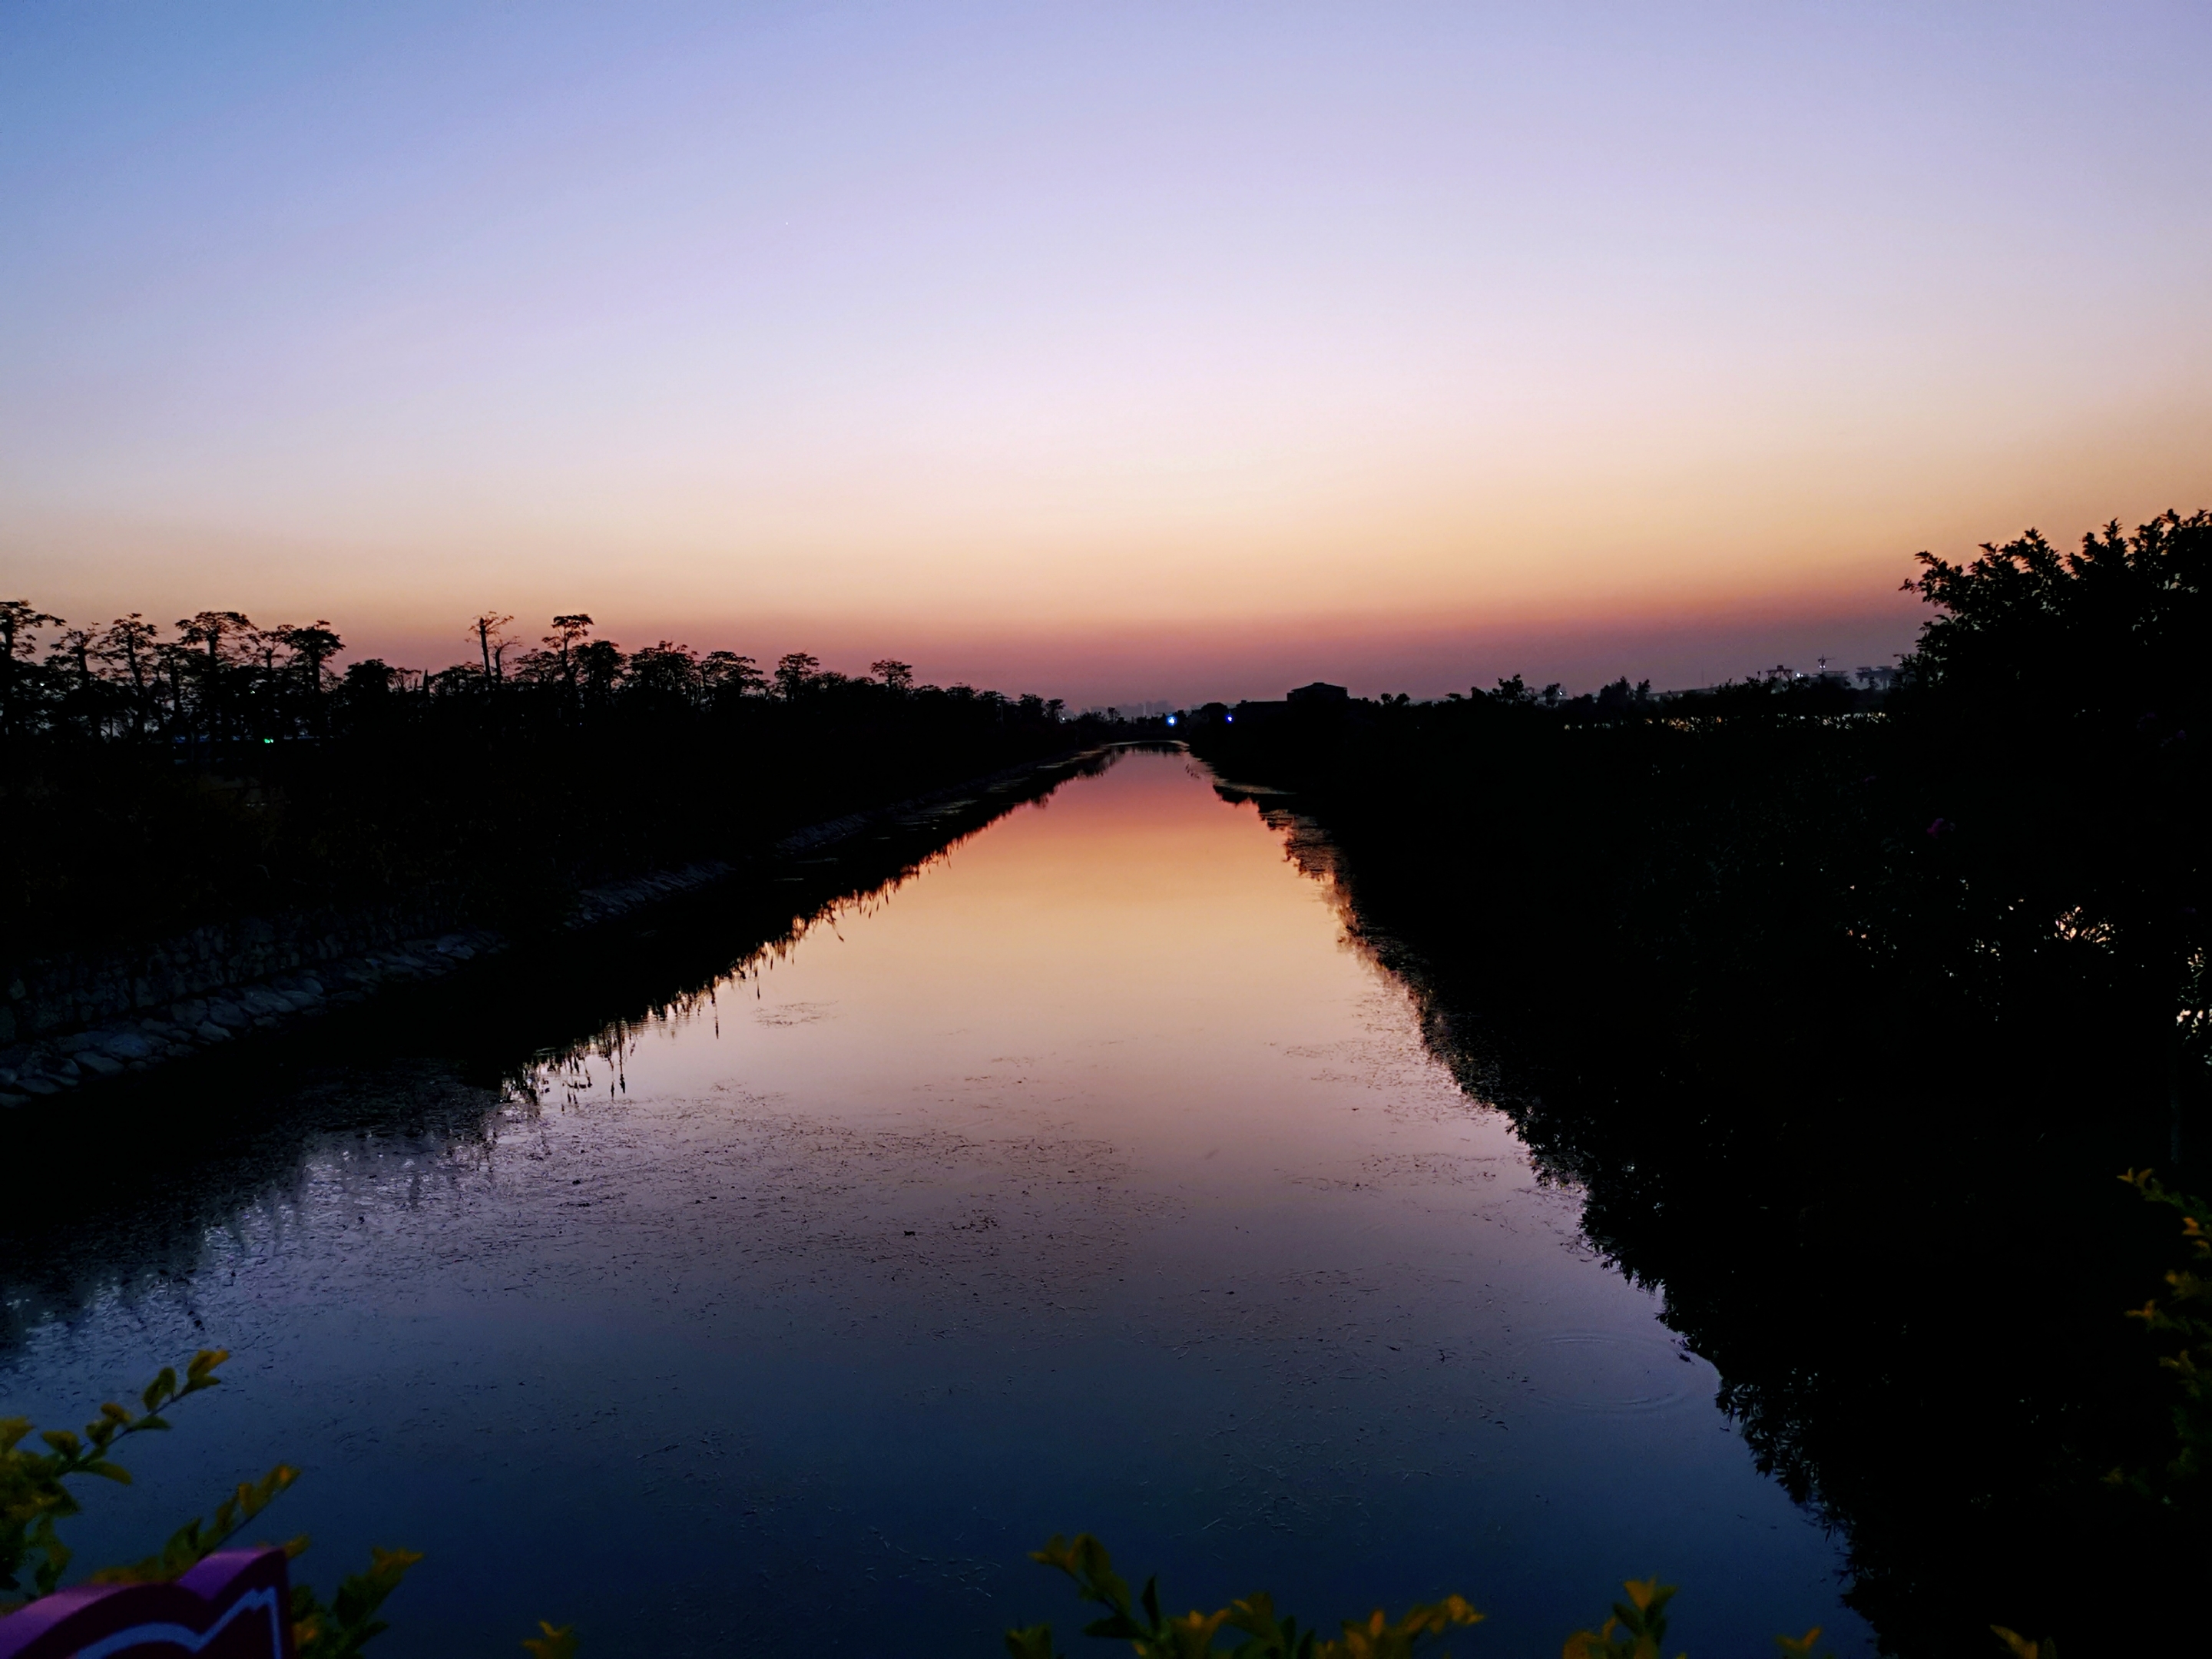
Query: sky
(1110,351)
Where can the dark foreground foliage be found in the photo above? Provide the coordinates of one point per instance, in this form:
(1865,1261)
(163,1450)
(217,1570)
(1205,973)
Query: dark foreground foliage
(35,1494)
(1846,1016)
(1636,1630)
(150,783)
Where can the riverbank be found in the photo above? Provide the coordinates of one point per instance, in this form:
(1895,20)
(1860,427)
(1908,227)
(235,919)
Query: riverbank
(77,1022)
(1833,1081)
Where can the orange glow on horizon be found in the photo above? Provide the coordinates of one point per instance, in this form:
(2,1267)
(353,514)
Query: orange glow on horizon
(1137,352)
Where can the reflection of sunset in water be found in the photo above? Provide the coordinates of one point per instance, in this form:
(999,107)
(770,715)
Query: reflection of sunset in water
(1088,1179)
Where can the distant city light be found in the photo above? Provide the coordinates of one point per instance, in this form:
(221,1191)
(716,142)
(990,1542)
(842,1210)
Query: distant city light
(1171,719)
(1231,719)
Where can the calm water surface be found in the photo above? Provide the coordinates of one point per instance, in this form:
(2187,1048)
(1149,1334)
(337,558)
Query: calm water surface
(1088,1180)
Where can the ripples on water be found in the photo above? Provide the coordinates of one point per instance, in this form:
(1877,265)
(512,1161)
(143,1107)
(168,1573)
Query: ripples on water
(1090,1180)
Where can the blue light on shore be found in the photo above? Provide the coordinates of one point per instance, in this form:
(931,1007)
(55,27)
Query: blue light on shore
(1171,719)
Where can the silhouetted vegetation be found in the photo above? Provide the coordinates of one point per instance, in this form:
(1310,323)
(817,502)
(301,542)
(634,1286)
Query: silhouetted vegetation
(151,780)
(1844,1003)
(1636,1630)
(35,1495)
(1845,1009)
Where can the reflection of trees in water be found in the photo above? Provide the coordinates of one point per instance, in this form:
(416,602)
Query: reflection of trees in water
(229,1143)
(598,1063)
(1914,1302)
(674,988)
(224,1156)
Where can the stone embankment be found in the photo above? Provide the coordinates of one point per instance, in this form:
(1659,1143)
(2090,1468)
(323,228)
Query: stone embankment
(135,1041)
(67,1023)
(154,1031)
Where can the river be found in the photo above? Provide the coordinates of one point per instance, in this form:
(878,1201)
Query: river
(1089,1179)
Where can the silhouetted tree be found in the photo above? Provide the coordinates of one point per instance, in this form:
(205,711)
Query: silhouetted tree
(599,666)
(370,679)
(312,646)
(896,676)
(71,661)
(490,630)
(19,638)
(211,638)
(558,659)
(128,646)
(726,674)
(795,671)
(664,674)
(1621,698)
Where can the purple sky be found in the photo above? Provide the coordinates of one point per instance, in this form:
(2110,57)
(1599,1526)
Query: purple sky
(1114,351)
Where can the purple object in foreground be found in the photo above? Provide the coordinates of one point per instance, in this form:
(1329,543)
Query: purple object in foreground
(236,1605)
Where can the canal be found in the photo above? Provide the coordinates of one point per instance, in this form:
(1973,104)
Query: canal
(1090,1178)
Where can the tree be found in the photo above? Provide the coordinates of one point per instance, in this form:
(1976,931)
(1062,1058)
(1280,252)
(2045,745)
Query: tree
(128,645)
(896,676)
(369,678)
(489,631)
(208,635)
(664,673)
(311,647)
(72,657)
(599,665)
(73,650)
(725,673)
(177,663)
(1621,698)
(795,671)
(19,637)
(568,634)
(2063,699)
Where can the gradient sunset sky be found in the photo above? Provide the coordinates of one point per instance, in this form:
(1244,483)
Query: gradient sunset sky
(1106,350)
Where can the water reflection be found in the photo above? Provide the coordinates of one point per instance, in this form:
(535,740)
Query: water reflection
(1095,1179)
(422,1075)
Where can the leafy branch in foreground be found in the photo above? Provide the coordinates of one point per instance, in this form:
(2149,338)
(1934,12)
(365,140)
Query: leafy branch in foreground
(2186,1313)
(34,1498)
(1086,1561)
(1635,1630)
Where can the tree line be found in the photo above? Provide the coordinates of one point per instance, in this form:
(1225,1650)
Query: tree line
(1843,1019)
(157,779)
(220,677)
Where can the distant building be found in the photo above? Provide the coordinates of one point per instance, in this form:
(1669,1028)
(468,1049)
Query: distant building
(1320,693)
